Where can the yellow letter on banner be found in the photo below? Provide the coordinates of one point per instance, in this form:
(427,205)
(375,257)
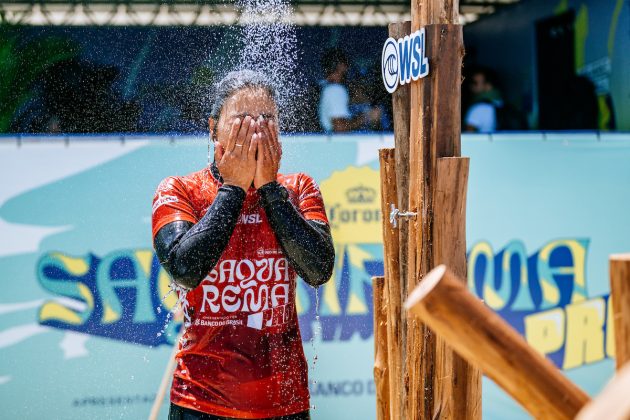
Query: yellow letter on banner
(496,298)
(585,333)
(577,268)
(544,331)
(610,329)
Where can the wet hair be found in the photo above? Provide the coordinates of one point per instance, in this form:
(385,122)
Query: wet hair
(331,59)
(235,81)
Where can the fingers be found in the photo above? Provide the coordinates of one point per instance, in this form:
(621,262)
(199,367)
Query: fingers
(218,151)
(275,146)
(239,138)
(246,141)
(263,140)
(264,147)
(273,128)
(253,146)
(236,125)
(245,136)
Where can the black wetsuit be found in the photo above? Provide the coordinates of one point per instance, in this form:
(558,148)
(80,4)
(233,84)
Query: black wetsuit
(189,251)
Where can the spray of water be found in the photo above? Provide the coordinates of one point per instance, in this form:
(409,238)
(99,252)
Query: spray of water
(316,331)
(271,47)
(181,305)
(266,41)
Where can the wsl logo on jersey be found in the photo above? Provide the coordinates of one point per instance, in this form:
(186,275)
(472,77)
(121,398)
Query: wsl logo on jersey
(404,60)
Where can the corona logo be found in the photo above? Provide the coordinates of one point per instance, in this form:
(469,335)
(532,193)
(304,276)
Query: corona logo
(354,207)
(361,194)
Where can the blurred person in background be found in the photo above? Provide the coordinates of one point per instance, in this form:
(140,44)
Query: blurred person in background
(363,107)
(76,96)
(334,101)
(488,112)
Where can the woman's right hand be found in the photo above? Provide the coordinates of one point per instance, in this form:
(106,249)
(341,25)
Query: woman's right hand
(237,161)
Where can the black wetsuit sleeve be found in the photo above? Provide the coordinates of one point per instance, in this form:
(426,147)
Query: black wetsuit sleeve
(188,252)
(307,244)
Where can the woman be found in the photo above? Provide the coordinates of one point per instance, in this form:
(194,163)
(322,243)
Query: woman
(235,235)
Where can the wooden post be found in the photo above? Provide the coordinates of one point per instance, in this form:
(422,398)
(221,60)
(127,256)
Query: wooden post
(482,337)
(459,397)
(431,381)
(435,129)
(613,402)
(381,379)
(392,278)
(401,112)
(620,295)
(426,12)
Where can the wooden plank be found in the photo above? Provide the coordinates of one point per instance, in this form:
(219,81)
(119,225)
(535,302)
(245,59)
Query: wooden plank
(613,402)
(435,132)
(401,114)
(620,295)
(449,224)
(482,337)
(427,12)
(381,380)
(459,397)
(389,196)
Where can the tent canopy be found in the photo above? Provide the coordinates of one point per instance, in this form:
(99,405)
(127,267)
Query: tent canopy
(212,12)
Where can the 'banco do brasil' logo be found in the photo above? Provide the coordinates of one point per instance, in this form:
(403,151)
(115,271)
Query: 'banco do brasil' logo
(404,60)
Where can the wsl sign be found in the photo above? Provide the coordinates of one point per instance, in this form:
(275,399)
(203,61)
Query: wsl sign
(404,60)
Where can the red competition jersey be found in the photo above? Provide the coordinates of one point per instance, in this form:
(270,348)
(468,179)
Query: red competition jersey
(241,356)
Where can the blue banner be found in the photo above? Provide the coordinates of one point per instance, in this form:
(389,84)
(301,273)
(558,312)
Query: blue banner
(85,316)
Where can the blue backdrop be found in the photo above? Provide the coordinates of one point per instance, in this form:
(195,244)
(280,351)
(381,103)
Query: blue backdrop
(81,308)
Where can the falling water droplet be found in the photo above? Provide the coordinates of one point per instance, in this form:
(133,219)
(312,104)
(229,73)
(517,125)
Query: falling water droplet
(316,331)
(180,304)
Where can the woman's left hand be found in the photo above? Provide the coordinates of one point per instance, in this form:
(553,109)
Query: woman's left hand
(269,153)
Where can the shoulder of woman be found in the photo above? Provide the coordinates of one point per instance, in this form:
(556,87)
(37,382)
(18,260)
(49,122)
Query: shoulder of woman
(182,183)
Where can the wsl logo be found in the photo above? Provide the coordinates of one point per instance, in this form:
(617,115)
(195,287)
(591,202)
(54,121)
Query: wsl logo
(404,60)
(390,65)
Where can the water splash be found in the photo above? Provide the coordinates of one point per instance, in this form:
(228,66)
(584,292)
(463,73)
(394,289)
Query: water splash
(266,41)
(210,157)
(181,305)
(316,331)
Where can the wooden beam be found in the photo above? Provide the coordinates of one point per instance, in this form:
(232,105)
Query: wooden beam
(482,337)
(456,395)
(613,402)
(381,380)
(427,12)
(620,295)
(401,113)
(389,196)
(449,224)
(435,133)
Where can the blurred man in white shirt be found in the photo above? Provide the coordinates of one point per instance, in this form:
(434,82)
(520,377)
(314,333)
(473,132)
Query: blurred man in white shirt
(482,115)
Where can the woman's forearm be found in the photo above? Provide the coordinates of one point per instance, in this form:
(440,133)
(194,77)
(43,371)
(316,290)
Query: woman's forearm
(307,244)
(188,252)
